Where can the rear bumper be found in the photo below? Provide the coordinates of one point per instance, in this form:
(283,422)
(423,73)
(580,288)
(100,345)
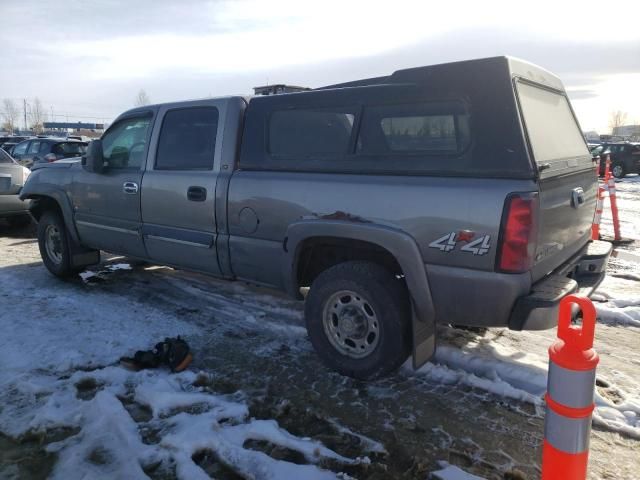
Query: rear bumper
(582,274)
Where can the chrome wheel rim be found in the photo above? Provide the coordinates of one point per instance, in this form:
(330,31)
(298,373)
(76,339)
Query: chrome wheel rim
(350,324)
(53,244)
(617,171)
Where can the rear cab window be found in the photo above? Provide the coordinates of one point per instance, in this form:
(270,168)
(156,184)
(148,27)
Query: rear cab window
(187,139)
(554,135)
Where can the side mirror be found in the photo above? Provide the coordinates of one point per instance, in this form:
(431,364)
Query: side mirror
(93,160)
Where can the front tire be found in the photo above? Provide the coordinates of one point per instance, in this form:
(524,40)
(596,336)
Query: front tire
(358,319)
(53,242)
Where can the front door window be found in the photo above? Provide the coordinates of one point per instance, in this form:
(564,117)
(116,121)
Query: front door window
(124,144)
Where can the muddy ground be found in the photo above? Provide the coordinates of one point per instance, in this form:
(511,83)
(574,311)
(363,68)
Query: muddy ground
(253,341)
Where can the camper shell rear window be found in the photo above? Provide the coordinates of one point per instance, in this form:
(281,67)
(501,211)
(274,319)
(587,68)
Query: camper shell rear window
(555,138)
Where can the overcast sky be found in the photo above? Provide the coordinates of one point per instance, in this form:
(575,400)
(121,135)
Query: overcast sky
(87,59)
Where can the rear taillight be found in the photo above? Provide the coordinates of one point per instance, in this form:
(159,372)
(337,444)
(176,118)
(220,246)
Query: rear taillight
(518,232)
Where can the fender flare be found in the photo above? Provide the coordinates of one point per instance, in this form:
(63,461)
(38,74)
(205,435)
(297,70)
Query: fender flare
(58,195)
(399,244)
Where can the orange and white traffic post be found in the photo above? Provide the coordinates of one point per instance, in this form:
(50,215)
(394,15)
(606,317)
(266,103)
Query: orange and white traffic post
(611,186)
(570,393)
(595,226)
(607,167)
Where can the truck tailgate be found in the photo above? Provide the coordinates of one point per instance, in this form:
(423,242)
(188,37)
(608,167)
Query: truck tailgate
(566,176)
(567,204)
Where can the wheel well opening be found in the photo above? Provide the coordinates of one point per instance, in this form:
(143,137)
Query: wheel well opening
(319,253)
(39,205)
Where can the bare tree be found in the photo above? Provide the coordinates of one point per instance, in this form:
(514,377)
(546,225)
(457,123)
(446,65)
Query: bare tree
(37,115)
(617,119)
(10,114)
(142,99)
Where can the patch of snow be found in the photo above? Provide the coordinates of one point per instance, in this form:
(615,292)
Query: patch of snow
(368,444)
(118,266)
(87,275)
(451,472)
(108,444)
(620,315)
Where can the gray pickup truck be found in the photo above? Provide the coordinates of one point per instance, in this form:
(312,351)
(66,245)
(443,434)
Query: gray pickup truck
(460,193)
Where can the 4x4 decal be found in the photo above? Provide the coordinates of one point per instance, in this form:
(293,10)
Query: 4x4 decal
(448,242)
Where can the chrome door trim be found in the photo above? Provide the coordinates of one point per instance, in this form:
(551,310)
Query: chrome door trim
(175,240)
(107,227)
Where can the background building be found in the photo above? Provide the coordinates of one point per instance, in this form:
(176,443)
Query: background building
(627,131)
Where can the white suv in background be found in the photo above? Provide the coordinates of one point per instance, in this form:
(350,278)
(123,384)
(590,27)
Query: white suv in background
(12,178)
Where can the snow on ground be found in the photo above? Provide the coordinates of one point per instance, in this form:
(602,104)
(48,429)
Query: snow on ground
(60,381)
(185,418)
(42,390)
(451,472)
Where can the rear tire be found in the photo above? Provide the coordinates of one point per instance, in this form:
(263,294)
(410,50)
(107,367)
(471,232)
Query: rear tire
(53,242)
(358,319)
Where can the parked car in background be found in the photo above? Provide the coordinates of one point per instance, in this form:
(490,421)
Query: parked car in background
(596,152)
(12,178)
(12,139)
(7,143)
(625,157)
(47,150)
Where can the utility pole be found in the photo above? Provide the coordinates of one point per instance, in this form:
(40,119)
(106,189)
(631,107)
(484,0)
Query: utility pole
(24,100)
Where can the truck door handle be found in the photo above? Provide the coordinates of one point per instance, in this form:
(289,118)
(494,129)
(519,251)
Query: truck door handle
(197,194)
(130,187)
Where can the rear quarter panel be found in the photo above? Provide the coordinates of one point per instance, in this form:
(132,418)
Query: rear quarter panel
(427,208)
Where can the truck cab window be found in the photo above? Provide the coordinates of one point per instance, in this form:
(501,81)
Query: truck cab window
(188,139)
(310,132)
(124,145)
